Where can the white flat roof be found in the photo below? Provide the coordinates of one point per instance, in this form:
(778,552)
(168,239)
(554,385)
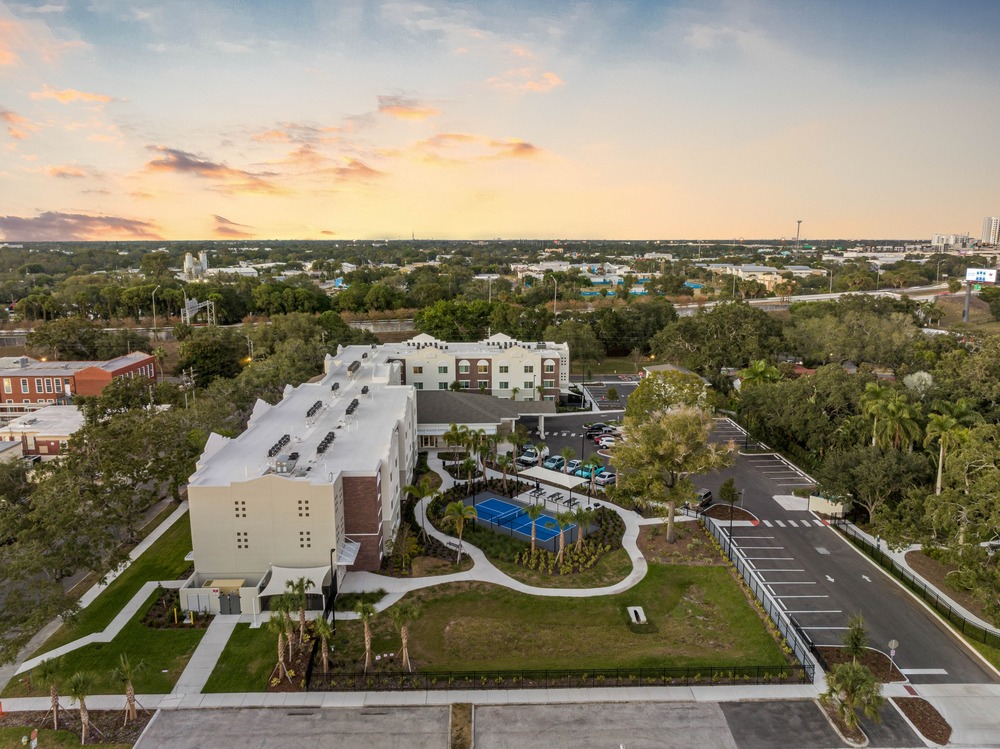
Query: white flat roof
(362,438)
(57,421)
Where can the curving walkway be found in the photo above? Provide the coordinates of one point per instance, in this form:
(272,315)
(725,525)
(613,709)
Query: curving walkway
(484,570)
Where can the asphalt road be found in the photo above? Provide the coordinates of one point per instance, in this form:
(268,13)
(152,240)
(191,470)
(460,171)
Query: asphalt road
(821,581)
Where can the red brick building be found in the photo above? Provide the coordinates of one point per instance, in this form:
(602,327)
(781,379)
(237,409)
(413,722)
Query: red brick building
(27,384)
(44,432)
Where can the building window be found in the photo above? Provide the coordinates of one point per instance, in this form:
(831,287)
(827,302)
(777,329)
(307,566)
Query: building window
(38,385)
(442,386)
(443,369)
(550,367)
(463,368)
(48,384)
(303,508)
(242,540)
(504,385)
(548,383)
(240,507)
(58,384)
(529,368)
(305,539)
(465,384)
(504,369)
(418,386)
(529,385)
(549,398)
(483,369)
(8,386)
(24,384)
(418,370)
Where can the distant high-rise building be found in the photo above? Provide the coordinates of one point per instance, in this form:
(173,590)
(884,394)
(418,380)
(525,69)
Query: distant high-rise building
(991,230)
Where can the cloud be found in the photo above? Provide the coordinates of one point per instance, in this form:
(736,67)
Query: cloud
(297,132)
(354,170)
(230,229)
(31,38)
(40,9)
(65,171)
(68,95)
(526,79)
(18,127)
(230,179)
(463,148)
(233,47)
(54,226)
(404,108)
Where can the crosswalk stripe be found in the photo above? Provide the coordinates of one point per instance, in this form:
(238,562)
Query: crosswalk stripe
(818,522)
(768,524)
(793,524)
(780,524)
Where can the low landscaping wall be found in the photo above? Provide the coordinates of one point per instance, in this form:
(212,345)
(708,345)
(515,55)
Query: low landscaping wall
(394,681)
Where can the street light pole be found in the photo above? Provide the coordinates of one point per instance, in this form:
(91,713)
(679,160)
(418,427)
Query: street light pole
(154,310)
(829,273)
(938,279)
(555,296)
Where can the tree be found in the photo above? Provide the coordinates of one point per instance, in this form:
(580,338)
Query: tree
(423,488)
(947,432)
(872,405)
(613,393)
(276,624)
(567,453)
(729,494)
(402,614)
(125,673)
(873,476)
(282,607)
(456,436)
(456,515)
(660,454)
(898,422)
(47,672)
(583,517)
(468,468)
(852,687)
(592,464)
(564,519)
(856,638)
(81,684)
(533,512)
(365,612)
(661,391)
(504,463)
(323,630)
(296,591)
(758,373)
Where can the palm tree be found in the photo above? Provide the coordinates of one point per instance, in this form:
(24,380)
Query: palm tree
(872,403)
(81,684)
(851,686)
(282,607)
(468,467)
(948,432)
(365,612)
(457,514)
(567,453)
(125,673)
(593,463)
(323,630)
(758,373)
(296,592)
(276,624)
(533,512)
(518,438)
(563,519)
(504,462)
(456,435)
(423,488)
(583,518)
(47,672)
(514,392)
(160,354)
(476,440)
(403,613)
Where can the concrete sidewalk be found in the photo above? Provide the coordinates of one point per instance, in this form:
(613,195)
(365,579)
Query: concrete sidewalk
(206,655)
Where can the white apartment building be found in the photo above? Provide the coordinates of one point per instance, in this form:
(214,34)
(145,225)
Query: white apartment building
(312,488)
(991,230)
(500,366)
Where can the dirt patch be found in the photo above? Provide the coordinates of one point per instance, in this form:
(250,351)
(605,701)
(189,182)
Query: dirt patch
(937,574)
(877,662)
(433,566)
(926,718)
(461,726)
(105,725)
(165,613)
(854,735)
(725,512)
(302,653)
(692,546)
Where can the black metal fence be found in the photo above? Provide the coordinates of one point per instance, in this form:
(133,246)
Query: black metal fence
(796,639)
(393,681)
(942,605)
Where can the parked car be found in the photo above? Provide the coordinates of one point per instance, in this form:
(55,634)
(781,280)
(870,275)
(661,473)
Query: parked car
(584,472)
(605,479)
(703,498)
(555,463)
(606,441)
(595,425)
(530,455)
(573,465)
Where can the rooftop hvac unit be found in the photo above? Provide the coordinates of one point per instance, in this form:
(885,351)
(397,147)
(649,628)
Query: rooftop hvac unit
(354,367)
(335,387)
(364,390)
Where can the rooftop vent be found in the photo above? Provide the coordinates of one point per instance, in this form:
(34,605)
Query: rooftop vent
(314,409)
(354,367)
(277,446)
(364,390)
(325,442)
(335,387)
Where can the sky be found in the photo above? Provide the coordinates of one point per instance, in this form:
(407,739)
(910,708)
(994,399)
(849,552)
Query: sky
(611,119)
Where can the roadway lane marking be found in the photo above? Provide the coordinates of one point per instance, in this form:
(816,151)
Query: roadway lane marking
(763,570)
(759,538)
(793,524)
(782,598)
(768,523)
(822,627)
(830,579)
(780,523)
(793,582)
(830,611)
(820,523)
(759,547)
(922,671)
(770,559)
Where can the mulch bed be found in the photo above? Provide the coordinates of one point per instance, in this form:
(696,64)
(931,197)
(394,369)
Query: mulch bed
(936,573)
(878,663)
(692,547)
(854,735)
(926,718)
(107,722)
(723,512)
(160,614)
(296,666)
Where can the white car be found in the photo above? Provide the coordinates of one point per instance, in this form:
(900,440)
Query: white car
(572,466)
(605,442)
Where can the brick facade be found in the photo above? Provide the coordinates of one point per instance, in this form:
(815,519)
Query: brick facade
(363,520)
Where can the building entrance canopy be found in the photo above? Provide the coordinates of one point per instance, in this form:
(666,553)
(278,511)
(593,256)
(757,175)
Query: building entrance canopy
(281,576)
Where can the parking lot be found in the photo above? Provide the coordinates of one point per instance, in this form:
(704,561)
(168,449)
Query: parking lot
(598,393)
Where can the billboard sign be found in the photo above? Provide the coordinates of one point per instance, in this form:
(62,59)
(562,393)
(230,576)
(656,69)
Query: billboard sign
(981,275)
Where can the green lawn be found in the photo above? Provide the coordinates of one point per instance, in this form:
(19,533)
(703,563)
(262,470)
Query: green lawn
(989,653)
(164,560)
(165,651)
(698,617)
(10,738)
(246,662)
(609,570)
